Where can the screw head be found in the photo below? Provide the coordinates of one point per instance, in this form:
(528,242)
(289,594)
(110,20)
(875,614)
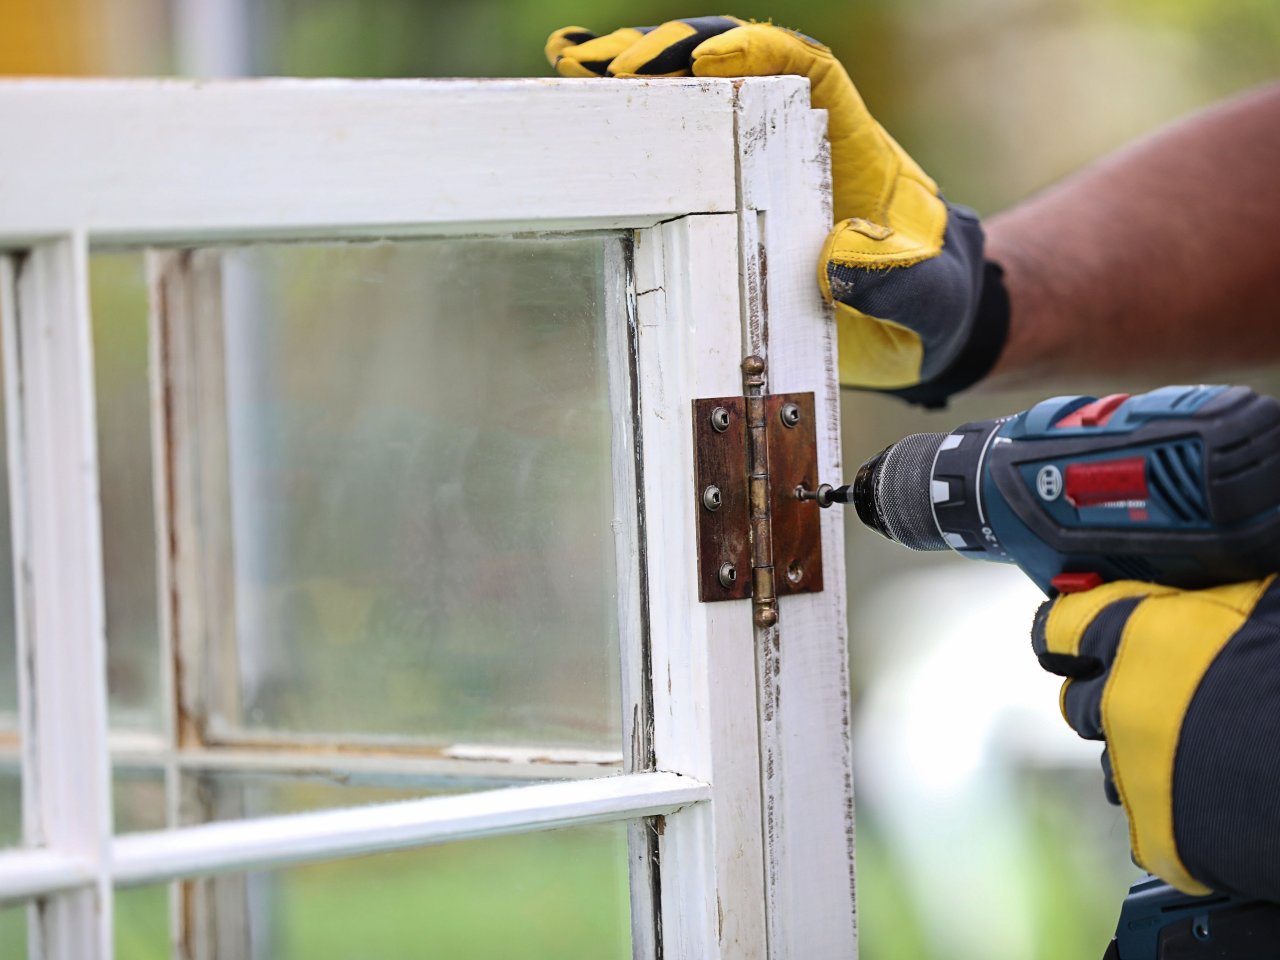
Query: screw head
(790,414)
(728,575)
(712,498)
(795,571)
(720,419)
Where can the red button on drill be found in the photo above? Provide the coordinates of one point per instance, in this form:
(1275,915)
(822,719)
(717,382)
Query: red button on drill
(1075,582)
(1094,414)
(1122,481)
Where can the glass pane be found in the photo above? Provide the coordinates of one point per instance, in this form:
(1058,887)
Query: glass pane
(13,931)
(421,489)
(207,796)
(118,301)
(541,896)
(137,798)
(10,801)
(231,796)
(142,923)
(11,925)
(8,617)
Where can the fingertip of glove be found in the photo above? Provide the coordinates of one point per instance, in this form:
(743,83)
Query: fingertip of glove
(571,35)
(1060,663)
(1038,643)
(575,69)
(560,40)
(718,65)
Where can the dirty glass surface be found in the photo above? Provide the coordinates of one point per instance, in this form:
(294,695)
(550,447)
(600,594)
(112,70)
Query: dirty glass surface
(421,489)
(118,303)
(137,797)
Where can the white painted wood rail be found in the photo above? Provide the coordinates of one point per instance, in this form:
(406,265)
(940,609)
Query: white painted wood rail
(159,160)
(305,837)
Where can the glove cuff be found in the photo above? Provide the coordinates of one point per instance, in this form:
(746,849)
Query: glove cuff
(987,338)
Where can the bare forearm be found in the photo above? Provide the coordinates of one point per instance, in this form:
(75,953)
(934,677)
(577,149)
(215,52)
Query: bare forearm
(1163,257)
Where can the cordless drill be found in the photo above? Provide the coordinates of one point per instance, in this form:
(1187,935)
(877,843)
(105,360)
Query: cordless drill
(1179,486)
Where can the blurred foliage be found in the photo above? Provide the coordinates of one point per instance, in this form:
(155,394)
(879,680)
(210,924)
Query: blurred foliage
(13,932)
(995,97)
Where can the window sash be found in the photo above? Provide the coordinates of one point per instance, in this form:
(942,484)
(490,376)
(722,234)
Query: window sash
(757,720)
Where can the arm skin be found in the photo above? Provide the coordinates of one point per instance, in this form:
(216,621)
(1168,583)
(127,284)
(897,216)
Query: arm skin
(1162,258)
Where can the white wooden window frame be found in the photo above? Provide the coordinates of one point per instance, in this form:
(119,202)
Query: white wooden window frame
(739,735)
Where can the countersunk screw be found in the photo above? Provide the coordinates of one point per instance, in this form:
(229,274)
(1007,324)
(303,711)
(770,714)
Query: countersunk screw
(720,419)
(728,575)
(790,414)
(711,498)
(795,572)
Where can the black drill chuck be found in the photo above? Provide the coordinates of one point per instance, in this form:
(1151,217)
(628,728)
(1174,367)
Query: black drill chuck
(891,492)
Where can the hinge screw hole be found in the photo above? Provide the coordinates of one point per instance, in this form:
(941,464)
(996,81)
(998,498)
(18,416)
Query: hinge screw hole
(720,419)
(790,414)
(795,572)
(711,498)
(728,575)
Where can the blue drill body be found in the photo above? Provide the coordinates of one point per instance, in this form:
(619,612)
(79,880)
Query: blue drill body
(1179,486)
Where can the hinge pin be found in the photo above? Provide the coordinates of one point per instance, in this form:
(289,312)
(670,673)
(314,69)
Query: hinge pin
(764,597)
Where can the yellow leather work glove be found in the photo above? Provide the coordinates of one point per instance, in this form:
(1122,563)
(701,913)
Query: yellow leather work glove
(920,312)
(1184,687)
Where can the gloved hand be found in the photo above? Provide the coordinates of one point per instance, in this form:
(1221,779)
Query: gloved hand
(917,306)
(1184,687)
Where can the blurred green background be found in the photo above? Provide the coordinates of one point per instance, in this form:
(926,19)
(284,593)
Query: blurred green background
(982,831)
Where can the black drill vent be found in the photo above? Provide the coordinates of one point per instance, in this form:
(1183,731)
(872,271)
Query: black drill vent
(1174,474)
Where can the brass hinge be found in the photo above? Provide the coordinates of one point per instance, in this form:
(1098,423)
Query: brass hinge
(752,454)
